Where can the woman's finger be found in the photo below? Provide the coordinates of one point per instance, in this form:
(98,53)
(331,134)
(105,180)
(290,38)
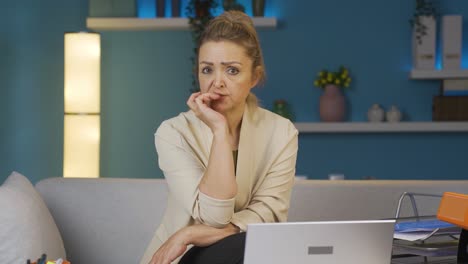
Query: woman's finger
(201,102)
(191,101)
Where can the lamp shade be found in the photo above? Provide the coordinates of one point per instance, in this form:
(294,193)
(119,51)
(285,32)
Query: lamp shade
(82,72)
(82,105)
(81,146)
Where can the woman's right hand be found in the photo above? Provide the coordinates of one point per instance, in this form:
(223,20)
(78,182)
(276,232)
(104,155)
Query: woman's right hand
(200,104)
(173,248)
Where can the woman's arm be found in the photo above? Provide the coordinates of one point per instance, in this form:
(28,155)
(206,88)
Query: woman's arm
(197,235)
(218,181)
(206,193)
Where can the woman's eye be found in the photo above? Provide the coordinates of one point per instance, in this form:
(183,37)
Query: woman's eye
(232,70)
(206,70)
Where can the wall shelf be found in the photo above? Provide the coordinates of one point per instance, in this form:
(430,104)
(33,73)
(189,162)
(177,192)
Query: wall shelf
(439,74)
(384,127)
(132,23)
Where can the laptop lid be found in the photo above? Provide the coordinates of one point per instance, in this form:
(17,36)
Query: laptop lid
(363,242)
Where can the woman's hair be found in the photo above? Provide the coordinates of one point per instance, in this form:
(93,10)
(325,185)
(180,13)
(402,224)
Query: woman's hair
(237,27)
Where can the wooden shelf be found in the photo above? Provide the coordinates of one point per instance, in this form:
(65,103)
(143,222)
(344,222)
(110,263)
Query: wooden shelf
(132,23)
(384,127)
(439,74)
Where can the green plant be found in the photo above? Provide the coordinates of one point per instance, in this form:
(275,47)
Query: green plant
(340,78)
(199,13)
(424,8)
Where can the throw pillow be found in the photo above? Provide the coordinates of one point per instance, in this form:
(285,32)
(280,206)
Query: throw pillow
(27,229)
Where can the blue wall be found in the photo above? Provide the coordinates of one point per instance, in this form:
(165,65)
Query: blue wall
(146,78)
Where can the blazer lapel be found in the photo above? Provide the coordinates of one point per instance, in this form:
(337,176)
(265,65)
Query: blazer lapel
(245,159)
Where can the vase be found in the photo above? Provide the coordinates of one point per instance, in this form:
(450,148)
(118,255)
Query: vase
(112,8)
(332,104)
(258,7)
(202,8)
(375,114)
(175,8)
(393,115)
(424,45)
(160,8)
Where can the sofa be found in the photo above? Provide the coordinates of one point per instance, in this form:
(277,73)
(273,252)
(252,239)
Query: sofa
(111,220)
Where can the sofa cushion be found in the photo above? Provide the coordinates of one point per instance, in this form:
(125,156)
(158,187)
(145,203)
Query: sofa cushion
(27,229)
(105,220)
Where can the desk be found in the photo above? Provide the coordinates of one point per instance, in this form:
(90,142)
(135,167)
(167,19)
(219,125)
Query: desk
(420,260)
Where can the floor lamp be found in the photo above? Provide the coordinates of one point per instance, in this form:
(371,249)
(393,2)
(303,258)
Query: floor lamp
(82,105)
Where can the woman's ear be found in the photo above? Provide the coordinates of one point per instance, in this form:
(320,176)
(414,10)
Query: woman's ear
(256,75)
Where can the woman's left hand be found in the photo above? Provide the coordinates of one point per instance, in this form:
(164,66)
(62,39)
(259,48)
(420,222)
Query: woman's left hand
(173,248)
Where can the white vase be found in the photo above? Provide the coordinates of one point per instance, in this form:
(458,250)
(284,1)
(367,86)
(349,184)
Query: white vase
(375,114)
(424,48)
(393,115)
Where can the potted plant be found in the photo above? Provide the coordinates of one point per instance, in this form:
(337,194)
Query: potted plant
(424,10)
(199,13)
(332,105)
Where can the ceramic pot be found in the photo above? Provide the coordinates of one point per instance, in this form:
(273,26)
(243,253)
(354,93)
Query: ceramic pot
(175,6)
(375,113)
(258,8)
(332,104)
(160,8)
(393,115)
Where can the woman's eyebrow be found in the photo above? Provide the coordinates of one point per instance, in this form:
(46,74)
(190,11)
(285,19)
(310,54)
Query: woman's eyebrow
(230,62)
(223,63)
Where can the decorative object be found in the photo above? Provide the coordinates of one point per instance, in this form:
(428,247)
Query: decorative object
(340,78)
(199,13)
(82,104)
(424,35)
(281,108)
(424,8)
(375,113)
(332,105)
(233,5)
(27,227)
(258,8)
(452,41)
(393,114)
(175,8)
(336,176)
(112,8)
(160,8)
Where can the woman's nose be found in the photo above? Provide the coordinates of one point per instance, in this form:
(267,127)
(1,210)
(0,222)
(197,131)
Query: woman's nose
(218,81)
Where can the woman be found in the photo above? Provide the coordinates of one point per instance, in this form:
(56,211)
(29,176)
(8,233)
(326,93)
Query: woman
(227,162)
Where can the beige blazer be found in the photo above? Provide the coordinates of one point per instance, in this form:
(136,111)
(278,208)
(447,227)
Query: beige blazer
(264,174)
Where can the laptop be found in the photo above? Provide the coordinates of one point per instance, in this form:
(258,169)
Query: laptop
(324,242)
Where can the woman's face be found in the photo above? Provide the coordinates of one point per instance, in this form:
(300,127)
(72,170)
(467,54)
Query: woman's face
(225,69)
